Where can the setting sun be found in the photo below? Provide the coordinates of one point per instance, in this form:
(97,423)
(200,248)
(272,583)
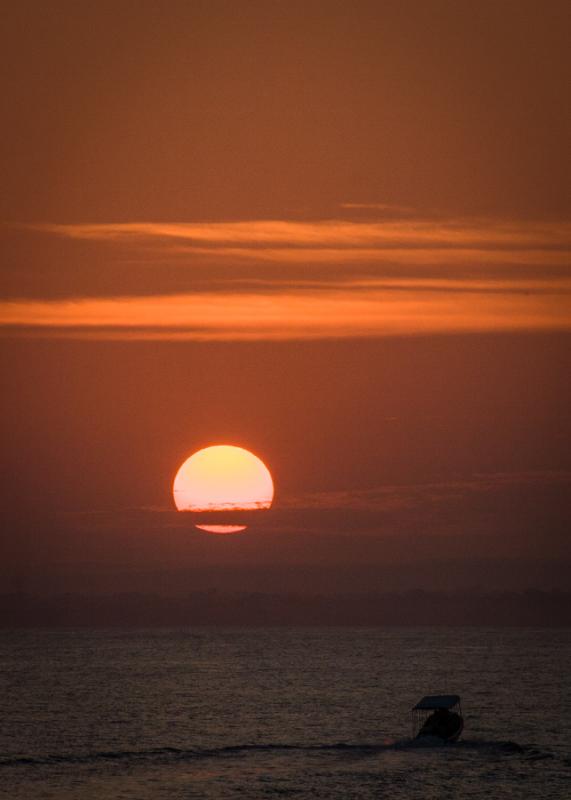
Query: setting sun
(223,478)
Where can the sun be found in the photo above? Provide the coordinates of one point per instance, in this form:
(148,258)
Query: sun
(223,478)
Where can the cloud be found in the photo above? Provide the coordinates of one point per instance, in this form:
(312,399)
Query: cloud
(333,233)
(388,208)
(285,280)
(394,497)
(475,258)
(327,313)
(367,503)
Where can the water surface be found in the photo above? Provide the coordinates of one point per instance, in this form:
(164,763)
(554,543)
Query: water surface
(304,713)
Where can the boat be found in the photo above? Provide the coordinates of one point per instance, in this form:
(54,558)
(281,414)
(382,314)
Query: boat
(437,717)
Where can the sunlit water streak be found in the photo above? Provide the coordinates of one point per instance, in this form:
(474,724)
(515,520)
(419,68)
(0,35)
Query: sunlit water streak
(263,713)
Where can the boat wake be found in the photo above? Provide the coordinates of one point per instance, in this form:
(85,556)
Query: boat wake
(165,754)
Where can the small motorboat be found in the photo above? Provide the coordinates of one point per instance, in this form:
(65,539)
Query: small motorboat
(438,716)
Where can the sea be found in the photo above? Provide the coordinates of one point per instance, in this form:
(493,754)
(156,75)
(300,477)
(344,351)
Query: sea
(283,712)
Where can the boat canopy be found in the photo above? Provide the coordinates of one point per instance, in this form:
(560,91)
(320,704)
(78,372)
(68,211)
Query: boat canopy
(434,701)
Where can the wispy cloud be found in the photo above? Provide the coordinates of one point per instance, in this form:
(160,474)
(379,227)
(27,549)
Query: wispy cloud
(284,279)
(332,233)
(430,256)
(388,208)
(282,315)
(393,497)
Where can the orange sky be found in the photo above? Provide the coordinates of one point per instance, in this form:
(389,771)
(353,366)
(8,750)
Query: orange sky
(336,233)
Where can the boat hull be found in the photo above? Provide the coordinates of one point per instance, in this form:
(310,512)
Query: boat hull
(442,737)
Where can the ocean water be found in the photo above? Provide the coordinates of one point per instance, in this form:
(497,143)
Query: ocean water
(302,713)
